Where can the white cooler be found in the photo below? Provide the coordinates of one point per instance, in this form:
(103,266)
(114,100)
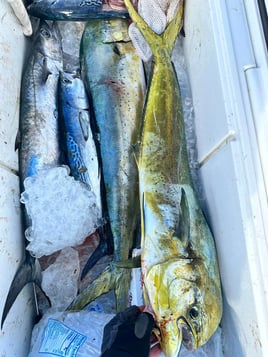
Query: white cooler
(226,58)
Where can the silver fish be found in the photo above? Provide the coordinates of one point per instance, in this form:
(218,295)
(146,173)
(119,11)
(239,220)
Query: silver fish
(74,111)
(38,132)
(38,139)
(75,117)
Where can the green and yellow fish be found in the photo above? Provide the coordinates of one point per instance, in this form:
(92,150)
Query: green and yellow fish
(179,264)
(114,77)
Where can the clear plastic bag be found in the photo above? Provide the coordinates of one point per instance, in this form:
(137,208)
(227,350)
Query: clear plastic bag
(69,334)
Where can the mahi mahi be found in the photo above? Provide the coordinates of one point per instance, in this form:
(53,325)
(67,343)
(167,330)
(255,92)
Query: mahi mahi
(114,77)
(38,132)
(179,264)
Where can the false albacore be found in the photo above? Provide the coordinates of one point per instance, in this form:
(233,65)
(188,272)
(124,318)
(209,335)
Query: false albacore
(75,117)
(38,136)
(74,109)
(179,265)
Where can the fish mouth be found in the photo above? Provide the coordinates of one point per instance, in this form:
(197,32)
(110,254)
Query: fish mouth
(188,335)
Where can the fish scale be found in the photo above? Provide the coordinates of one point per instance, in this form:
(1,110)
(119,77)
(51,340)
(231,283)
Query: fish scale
(114,77)
(179,263)
(73,10)
(117,98)
(38,137)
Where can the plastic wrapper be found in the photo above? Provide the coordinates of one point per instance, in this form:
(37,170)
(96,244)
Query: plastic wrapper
(60,279)
(73,334)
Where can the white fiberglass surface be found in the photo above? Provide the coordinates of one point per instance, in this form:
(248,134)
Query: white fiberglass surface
(232,177)
(218,50)
(16,332)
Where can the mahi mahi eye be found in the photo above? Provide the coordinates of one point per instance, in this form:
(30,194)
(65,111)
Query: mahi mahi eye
(193,313)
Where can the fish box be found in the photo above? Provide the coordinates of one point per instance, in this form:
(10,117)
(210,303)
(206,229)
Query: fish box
(225,52)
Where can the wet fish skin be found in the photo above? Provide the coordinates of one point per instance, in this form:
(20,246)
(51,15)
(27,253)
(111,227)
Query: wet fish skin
(117,98)
(38,130)
(74,111)
(113,75)
(38,133)
(72,10)
(75,117)
(179,263)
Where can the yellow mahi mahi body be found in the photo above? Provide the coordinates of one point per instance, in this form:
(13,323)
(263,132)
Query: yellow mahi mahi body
(179,264)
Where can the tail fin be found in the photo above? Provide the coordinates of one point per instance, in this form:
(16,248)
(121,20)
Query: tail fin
(28,272)
(111,278)
(105,247)
(167,38)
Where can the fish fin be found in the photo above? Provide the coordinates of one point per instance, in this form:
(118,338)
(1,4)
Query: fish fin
(136,152)
(18,141)
(46,72)
(130,263)
(56,30)
(28,272)
(105,247)
(182,231)
(171,32)
(101,285)
(84,121)
(122,287)
(142,215)
(111,278)
(156,42)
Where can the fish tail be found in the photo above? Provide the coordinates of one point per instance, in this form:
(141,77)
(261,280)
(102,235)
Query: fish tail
(28,272)
(167,38)
(105,247)
(112,278)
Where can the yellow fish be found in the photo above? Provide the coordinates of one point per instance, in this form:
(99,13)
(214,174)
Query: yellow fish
(179,263)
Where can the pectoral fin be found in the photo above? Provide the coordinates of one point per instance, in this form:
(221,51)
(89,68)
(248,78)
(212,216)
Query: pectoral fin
(84,121)
(182,230)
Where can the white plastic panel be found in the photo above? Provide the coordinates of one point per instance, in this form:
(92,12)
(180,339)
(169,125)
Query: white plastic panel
(257,84)
(219,44)
(227,66)
(16,332)
(15,335)
(12,51)
(204,76)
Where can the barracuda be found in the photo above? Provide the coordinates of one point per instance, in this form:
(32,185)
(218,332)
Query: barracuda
(179,263)
(38,142)
(113,74)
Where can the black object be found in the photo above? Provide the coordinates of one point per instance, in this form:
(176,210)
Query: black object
(264,19)
(128,334)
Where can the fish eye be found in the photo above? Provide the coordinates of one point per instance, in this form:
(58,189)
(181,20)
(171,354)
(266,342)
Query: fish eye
(45,33)
(66,81)
(194,313)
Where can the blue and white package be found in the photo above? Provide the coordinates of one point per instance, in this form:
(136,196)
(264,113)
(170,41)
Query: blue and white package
(69,334)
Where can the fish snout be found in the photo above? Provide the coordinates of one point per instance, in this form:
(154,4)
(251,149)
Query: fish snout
(171,337)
